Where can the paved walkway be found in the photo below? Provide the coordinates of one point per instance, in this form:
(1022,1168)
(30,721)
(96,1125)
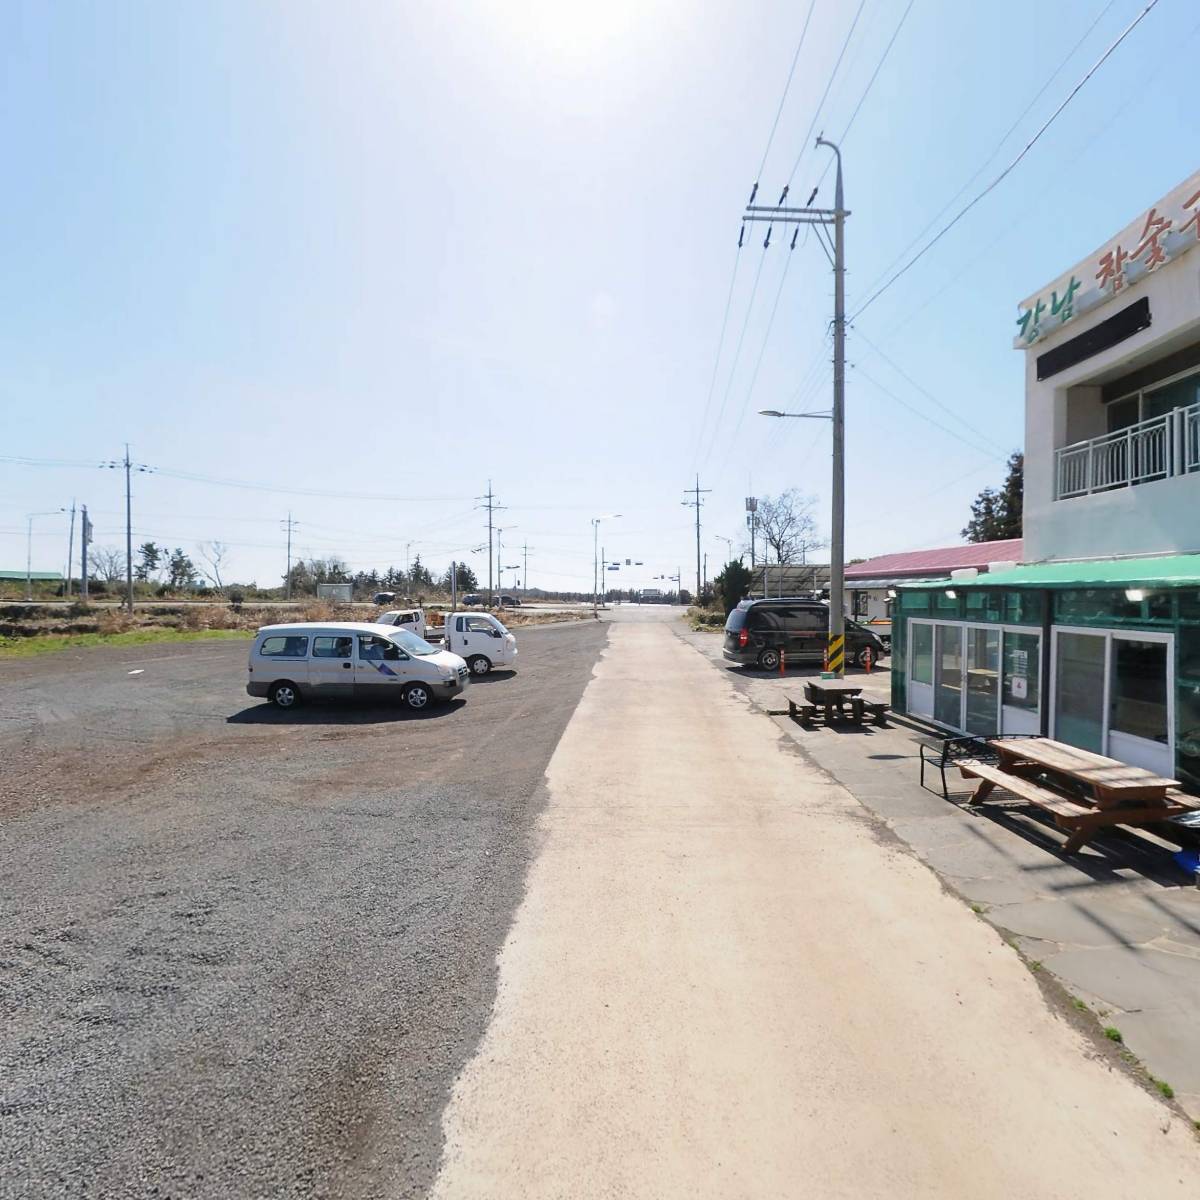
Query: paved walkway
(1117,924)
(723,982)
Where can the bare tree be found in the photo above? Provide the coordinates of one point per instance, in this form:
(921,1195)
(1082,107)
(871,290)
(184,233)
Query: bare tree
(214,555)
(788,525)
(106,563)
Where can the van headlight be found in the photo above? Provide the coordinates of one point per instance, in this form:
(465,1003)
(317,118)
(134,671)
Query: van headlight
(447,673)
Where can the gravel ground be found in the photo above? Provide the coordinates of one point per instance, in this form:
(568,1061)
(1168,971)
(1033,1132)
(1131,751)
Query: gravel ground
(245,953)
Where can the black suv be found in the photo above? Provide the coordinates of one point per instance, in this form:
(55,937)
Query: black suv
(757,630)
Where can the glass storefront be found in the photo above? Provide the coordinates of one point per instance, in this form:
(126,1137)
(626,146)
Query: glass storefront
(1079,690)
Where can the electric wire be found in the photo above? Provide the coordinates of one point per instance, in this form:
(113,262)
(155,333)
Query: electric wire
(1008,169)
(787,85)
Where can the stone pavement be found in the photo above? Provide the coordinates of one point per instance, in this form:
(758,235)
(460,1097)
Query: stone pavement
(1118,925)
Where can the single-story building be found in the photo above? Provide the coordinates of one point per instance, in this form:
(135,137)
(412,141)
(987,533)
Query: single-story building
(871,585)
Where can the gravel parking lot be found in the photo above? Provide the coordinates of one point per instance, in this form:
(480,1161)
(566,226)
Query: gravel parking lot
(245,952)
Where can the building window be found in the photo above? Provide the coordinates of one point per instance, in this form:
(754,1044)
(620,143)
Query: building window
(1021,670)
(1138,700)
(1079,690)
(922,653)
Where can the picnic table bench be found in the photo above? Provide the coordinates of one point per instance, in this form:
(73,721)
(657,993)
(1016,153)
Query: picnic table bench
(830,696)
(1105,792)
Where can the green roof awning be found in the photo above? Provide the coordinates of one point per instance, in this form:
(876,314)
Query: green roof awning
(1173,570)
(36,576)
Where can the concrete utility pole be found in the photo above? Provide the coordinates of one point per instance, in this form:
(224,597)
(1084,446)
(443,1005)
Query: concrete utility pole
(85,540)
(596,556)
(820,218)
(289,525)
(128,467)
(525,572)
(489,502)
(70,554)
(696,492)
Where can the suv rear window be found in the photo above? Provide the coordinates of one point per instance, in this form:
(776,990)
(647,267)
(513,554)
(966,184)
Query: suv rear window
(735,620)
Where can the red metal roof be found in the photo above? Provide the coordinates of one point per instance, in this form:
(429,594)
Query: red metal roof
(937,562)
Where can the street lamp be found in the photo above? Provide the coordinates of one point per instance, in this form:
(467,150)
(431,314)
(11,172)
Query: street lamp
(596,555)
(52,512)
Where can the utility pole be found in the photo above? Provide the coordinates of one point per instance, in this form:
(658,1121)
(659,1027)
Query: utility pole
(70,554)
(820,218)
(696,492)
(85,539)
(128,467)
(489,502)
(525,572)
(289,525)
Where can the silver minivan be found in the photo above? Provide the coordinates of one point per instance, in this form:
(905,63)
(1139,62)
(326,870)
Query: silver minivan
(342,659)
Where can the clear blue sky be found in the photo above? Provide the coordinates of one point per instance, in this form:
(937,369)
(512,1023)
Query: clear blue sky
(398,248)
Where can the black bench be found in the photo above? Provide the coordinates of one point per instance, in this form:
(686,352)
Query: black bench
(948,752)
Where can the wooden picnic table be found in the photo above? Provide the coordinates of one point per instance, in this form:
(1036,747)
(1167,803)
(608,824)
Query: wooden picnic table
(1111,782)
(1114,793)
(831,694)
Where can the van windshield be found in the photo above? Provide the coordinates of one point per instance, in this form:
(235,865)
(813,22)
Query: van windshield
(413,644)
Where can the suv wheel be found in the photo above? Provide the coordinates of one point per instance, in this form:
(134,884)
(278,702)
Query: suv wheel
(768,660)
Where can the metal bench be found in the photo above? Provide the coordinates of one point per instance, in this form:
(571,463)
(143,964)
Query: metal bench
(944,752)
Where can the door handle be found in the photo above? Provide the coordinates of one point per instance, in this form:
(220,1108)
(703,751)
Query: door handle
(347,665)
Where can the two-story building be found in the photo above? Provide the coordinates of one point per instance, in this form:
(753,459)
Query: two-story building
(1094,638)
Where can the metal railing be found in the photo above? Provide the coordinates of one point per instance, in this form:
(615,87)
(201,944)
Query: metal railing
(1151,449)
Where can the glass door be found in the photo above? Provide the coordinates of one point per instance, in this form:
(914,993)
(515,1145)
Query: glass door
(948,675)
(920,668)
(983,680)
(1020,689)
(1079,689)
(1139,717)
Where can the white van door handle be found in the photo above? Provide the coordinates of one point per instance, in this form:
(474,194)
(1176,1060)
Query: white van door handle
(347,665)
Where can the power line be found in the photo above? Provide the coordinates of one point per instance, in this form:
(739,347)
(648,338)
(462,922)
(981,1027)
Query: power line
(998,147)
(923,390)
(786,86)
(1007,170)
(805,142)
(926,417)
(875,74)
(712,383)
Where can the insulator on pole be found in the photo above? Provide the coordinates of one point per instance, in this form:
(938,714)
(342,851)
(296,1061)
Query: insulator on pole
(741,234)
(767,239)
(795,235)
(812,197)
(783,194)
(753,193)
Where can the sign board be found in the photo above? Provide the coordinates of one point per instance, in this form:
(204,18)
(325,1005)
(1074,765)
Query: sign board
(1169,229)
(751,504)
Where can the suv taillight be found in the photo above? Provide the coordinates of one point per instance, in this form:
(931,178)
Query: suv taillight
(743,636)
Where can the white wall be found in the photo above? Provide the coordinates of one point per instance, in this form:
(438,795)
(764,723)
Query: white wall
(1161,517)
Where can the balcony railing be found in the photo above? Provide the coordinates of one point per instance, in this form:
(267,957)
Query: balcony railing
(1153,449)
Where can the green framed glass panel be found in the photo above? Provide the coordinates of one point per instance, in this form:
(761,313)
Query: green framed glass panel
(1189,604)
(1079,690)
(1137,702)
(948,675)
(984,606)
(914,602)
(921,652)
(1187,734)
(947,607)
(983,680)
(1187,652)
(1025,607)
(1022,652)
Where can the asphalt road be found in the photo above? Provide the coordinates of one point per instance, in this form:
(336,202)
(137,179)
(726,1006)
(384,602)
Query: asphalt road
(245,953)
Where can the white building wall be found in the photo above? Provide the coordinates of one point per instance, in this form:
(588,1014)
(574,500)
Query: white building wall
(1161,517)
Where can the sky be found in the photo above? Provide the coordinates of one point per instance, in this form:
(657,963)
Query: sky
(354,261)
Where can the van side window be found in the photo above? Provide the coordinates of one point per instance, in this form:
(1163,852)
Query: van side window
(479,625)
(460,624)
(284,647)
(377,649)
(333,647)
(811,620)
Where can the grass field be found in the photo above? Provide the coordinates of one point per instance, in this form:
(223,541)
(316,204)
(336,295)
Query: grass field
(23,647)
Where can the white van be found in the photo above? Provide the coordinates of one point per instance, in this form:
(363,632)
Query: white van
(319,659)
(480,639)
(412,619)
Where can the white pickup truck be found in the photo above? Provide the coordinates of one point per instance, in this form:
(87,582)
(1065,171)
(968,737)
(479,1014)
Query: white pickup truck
(479,638)
(412,619)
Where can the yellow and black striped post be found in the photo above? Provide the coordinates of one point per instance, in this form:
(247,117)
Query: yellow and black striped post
(836,654)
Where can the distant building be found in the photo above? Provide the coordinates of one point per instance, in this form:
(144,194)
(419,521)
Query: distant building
(871,585)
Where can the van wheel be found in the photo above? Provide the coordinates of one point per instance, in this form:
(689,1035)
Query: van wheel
(479,665)
(769,660)
(417,696)
(285,694)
